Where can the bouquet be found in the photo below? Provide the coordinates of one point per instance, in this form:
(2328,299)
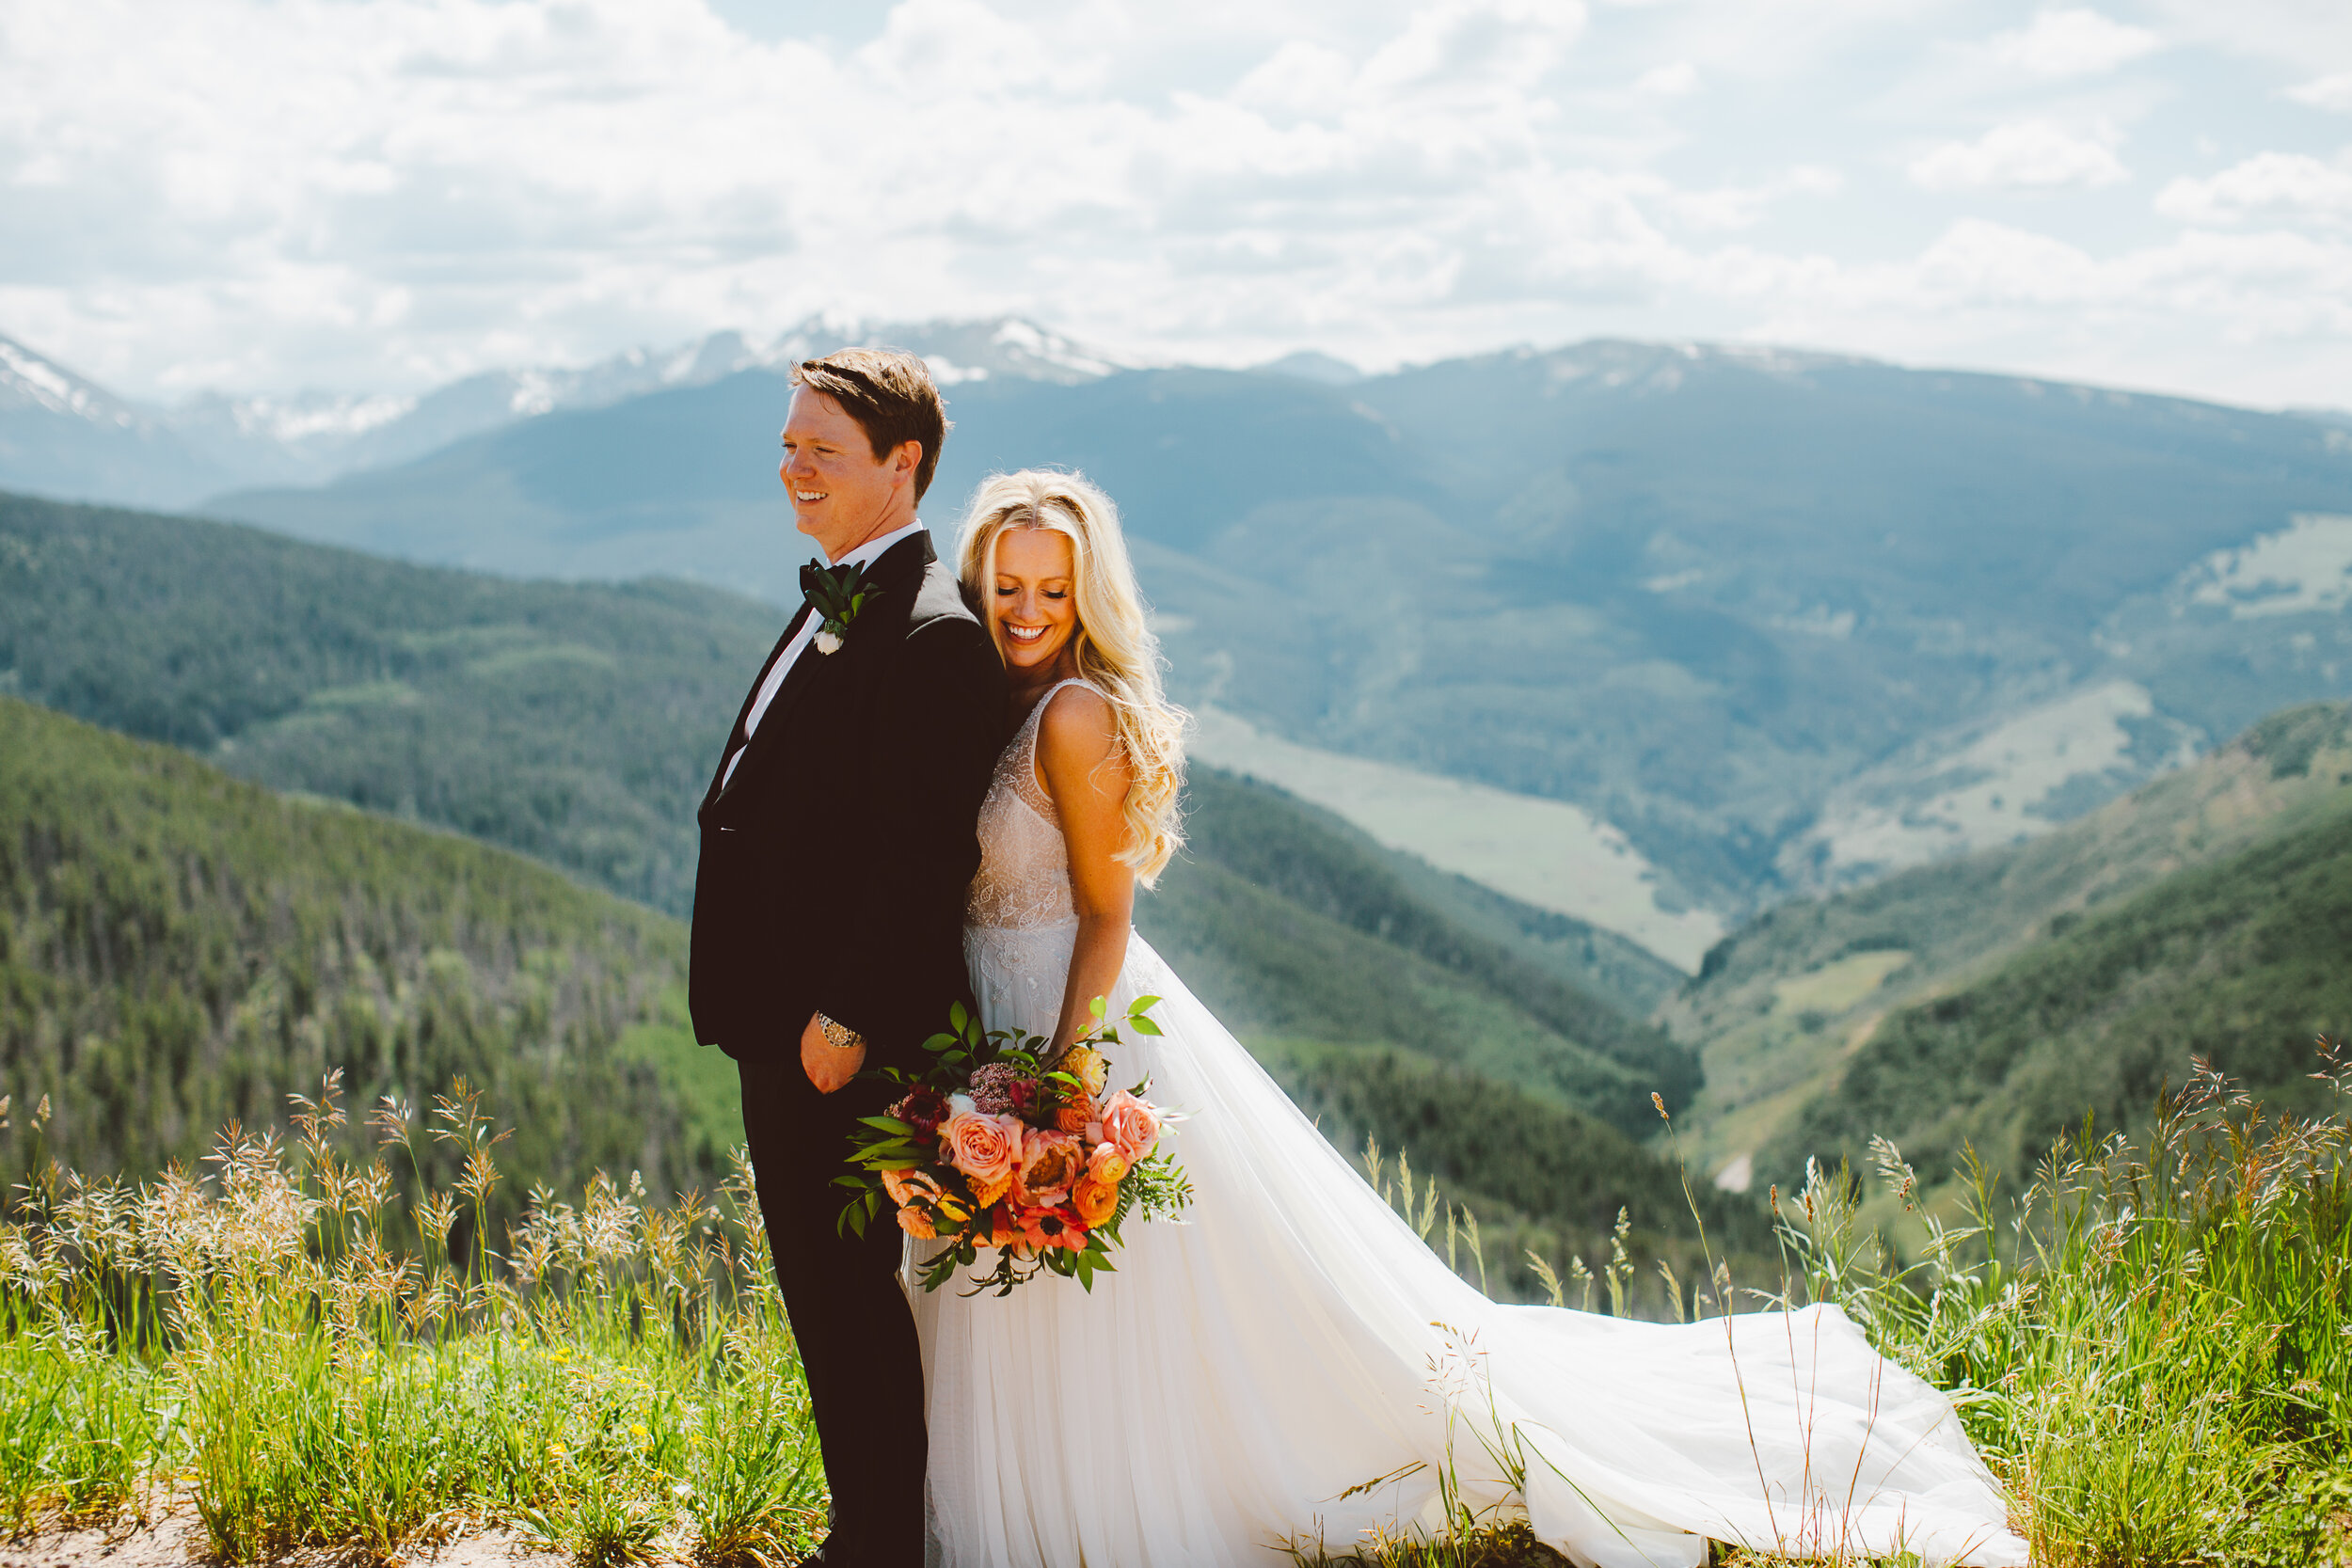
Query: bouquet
(993,1145)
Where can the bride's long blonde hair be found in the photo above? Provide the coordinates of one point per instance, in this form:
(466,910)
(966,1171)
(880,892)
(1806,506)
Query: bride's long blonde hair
(1116,650)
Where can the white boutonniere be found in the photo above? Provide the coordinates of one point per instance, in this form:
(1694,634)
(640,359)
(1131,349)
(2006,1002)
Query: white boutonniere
(836,594)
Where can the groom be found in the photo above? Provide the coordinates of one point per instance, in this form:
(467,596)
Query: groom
(838,839)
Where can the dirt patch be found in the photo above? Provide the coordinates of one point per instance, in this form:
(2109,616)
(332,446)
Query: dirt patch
(175,1538)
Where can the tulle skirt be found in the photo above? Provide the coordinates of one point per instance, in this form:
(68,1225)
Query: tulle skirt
(1292,1363)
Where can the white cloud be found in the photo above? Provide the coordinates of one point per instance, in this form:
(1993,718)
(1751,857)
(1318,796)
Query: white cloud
(382,194)
(2074,43)
(1730,207)
(2332,93)
(2272,186)
(1678,80)
(2031,154)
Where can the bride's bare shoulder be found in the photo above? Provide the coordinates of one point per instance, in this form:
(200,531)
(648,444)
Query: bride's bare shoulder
(1078,733)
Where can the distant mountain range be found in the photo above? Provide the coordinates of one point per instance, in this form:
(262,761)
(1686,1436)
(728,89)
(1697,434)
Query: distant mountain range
(63,436)
(1707,627)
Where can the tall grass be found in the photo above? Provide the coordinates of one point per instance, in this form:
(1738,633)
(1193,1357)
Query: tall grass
(315,1350)
(2151,1343)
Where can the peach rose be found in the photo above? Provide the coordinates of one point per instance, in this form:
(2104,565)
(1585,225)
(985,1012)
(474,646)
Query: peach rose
(1077,1117)
(1106,1164)
(1049,1162)
(1095,1200)
(986,1148)
(1130,1125)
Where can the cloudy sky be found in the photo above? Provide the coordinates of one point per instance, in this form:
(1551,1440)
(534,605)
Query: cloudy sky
(259,196)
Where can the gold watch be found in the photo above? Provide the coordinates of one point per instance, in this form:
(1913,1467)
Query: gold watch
(839,1036)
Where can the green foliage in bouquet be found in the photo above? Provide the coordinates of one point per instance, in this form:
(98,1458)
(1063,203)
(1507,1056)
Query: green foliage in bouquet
(996,1146)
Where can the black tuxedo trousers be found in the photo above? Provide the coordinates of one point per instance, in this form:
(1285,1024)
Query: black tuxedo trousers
(835,857)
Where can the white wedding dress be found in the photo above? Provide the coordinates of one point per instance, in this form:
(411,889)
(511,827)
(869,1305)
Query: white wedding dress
(1242,1376)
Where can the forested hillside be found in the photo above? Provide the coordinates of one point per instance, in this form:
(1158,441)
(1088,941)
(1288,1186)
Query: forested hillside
(571,722)
(2002,994)
(577,723)
(179,948)
(2243,965)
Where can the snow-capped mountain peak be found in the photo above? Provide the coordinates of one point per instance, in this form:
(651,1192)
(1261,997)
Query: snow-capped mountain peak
(29,380)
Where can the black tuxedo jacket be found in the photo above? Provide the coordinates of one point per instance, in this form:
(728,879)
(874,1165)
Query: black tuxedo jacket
(836,860)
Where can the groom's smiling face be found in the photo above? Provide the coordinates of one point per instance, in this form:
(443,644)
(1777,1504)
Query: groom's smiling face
(842,493)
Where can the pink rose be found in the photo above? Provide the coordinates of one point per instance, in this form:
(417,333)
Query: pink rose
(1050,1161)
(1130,1125)
(986,1148)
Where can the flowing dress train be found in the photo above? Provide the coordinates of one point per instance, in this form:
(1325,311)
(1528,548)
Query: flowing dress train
(1242,1375)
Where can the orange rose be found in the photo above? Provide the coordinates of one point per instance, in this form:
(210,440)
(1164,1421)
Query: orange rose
(1087,1066)
(913,1223)
(986,1148)
(1094,1200)
(1075,1116)
(1106,1164)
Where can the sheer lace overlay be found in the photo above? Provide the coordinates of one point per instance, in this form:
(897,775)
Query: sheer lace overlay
(1024,880)
(1243,1375)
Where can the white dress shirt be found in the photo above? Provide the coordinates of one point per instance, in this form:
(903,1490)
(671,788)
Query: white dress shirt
(865,555)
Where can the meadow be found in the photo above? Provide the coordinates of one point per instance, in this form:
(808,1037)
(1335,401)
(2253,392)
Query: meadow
(2150,1340)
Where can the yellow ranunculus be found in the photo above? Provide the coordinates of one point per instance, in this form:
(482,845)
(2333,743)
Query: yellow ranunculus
(1094,1199)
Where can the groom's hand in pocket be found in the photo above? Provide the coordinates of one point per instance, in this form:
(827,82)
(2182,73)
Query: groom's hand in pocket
(829,1067)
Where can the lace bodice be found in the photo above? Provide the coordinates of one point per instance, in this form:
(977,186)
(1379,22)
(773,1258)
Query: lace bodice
(1024,880)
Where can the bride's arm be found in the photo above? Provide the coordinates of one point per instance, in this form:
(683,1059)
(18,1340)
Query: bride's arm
(1085,770)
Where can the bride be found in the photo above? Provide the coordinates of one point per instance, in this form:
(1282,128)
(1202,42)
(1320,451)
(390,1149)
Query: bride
(1242,1376)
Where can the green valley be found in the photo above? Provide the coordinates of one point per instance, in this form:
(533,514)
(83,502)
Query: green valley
(2002,995)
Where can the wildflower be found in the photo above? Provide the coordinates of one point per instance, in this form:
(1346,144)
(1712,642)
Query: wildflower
(999,1087)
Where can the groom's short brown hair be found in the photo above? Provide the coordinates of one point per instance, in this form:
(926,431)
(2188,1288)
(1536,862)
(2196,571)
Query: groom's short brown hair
(890,393)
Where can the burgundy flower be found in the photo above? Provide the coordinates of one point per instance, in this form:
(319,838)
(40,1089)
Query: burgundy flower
(923,1109)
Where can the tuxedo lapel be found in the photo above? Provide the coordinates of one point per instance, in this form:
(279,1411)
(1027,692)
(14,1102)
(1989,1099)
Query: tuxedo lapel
(897,575)
(743,715)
